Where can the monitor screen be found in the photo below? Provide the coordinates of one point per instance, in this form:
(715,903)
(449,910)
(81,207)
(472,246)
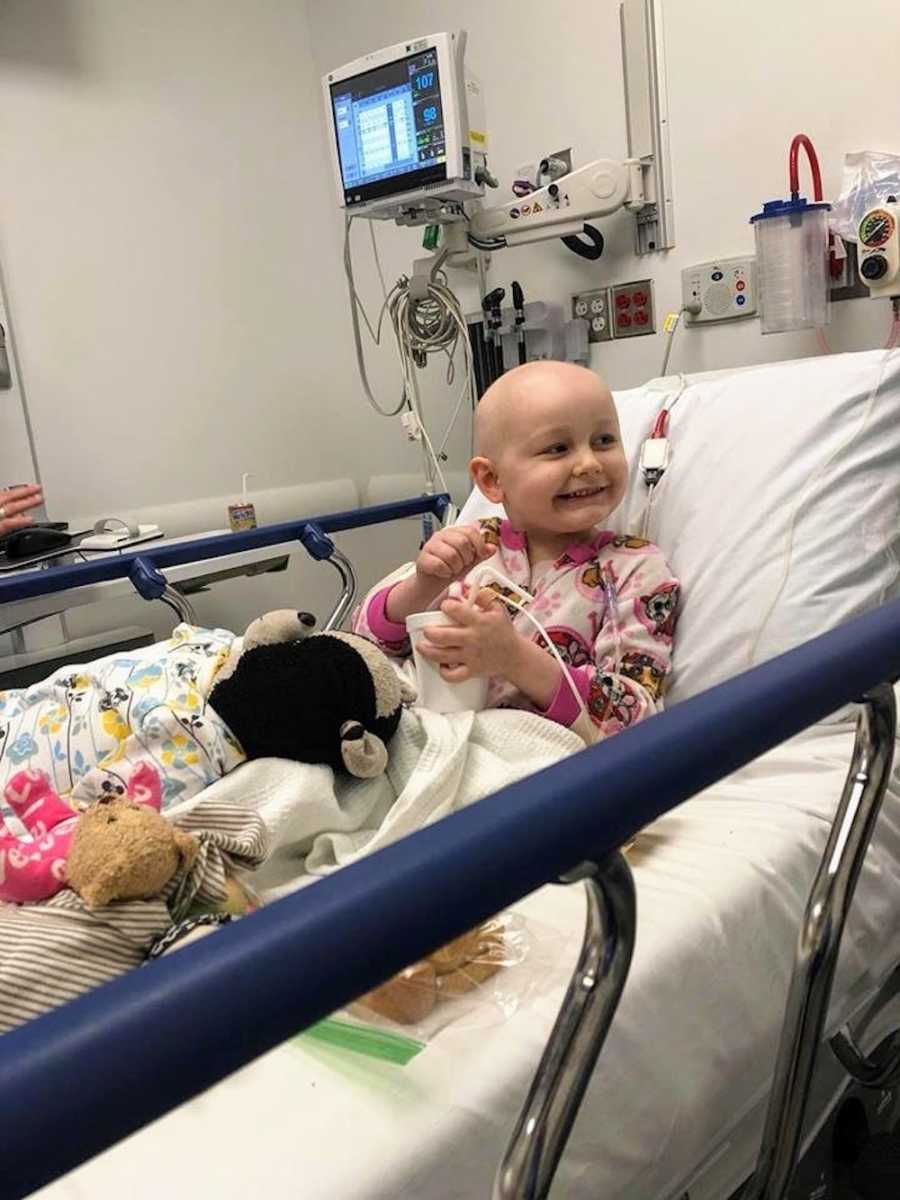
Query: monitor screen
(389,124)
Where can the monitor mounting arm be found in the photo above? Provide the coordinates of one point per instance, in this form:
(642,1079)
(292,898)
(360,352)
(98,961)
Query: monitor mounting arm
(560,208)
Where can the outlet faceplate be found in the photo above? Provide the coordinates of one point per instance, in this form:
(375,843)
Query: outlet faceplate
(632,308)
(593,308)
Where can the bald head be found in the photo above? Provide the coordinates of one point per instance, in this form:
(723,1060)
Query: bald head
(518,398)
(549,449)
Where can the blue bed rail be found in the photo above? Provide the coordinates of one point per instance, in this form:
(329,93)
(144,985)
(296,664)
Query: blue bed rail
(81,1078)
(139,564)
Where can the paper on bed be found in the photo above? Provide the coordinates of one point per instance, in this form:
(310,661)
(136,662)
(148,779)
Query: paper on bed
(439,763)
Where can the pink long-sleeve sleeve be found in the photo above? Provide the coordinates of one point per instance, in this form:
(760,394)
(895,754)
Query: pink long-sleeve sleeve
(371,620)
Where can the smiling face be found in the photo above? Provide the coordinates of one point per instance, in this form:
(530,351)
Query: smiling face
(550,452)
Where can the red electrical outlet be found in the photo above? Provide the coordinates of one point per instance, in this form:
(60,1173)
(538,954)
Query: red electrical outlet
(633,308)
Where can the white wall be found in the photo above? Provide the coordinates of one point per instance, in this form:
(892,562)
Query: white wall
(742,79)
(172,253)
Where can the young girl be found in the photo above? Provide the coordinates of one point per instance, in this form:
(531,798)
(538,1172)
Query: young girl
(549,450)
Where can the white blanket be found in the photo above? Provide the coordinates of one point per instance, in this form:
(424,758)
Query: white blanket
(319,821)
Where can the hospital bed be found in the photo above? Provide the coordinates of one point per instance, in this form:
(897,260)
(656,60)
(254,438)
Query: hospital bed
(731,799)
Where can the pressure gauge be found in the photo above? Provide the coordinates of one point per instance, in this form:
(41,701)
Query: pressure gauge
(876,228)
(879,249)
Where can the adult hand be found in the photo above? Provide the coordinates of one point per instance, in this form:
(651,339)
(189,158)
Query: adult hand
(15,502)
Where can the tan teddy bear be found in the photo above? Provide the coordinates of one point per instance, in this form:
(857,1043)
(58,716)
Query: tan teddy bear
(125,851)
(130,876)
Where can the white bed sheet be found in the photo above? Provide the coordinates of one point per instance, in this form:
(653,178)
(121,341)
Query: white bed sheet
(721,883)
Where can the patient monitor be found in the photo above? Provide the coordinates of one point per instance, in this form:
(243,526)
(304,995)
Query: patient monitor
(407,142)
(401,141)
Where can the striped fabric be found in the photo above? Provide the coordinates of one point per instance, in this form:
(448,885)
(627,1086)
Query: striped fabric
(52,951)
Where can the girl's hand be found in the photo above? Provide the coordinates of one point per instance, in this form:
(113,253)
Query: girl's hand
(482,640)
(451,553)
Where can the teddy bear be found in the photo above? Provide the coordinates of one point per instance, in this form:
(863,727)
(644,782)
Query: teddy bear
(120,848)
(329,697)
(117,879)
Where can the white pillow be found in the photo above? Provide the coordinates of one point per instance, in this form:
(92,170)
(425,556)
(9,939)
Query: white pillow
(780,510)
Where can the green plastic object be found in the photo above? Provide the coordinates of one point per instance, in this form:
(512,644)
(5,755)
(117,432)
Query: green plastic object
(364,1039)
(431,237)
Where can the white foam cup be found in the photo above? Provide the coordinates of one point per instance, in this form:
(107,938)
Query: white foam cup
(435,692)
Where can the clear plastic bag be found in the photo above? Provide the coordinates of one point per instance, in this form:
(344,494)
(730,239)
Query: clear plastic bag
(478,980)
(870,176)
(466,974)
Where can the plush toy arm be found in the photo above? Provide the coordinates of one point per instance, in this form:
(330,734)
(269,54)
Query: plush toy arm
(187,846)
(364,753)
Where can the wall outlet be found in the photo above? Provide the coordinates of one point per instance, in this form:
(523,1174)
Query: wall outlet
(593,308)
(632,308)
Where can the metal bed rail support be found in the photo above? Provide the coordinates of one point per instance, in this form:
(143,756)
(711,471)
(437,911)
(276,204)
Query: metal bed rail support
(545,1122)
(881,1069)
(344,568)
(318,545)
(819,944)
(150,583)
(450,513)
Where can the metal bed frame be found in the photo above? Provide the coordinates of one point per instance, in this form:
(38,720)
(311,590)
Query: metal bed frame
(239,994)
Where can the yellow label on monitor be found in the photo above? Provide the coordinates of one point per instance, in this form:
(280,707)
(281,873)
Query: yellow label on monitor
(670,322)
(477,138)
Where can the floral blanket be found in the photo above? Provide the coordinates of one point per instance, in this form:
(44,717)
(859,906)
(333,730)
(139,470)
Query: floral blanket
(87,726)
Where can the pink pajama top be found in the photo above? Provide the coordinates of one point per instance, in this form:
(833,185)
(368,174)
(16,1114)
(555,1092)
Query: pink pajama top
(608,605)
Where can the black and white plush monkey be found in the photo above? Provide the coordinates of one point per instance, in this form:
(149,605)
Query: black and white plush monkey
(330,698)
